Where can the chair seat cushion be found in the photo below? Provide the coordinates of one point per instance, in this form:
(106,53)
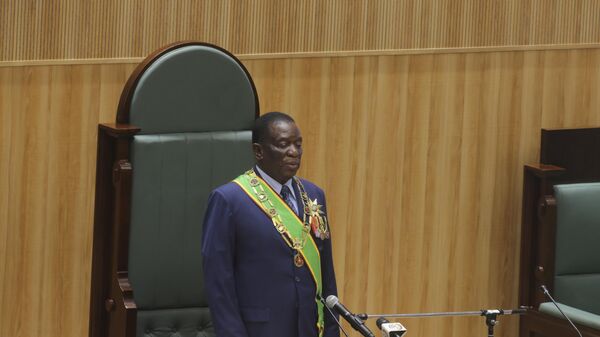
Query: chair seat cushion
(577,316)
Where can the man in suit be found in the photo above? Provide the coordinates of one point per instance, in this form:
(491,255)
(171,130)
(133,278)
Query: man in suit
(266,244)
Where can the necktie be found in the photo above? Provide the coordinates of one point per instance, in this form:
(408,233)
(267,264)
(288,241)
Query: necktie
(286,195)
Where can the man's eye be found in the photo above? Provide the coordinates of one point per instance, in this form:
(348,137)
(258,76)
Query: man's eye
(282,144)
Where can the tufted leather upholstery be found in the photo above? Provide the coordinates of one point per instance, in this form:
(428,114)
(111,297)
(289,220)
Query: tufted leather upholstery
(188,322)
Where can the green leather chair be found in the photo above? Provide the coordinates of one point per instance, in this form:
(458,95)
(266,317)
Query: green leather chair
(183,127)
(560,232)
(577,254)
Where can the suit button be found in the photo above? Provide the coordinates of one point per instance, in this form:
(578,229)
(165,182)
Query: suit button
(297,279)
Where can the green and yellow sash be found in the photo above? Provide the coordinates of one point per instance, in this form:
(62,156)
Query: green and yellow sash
(293,231)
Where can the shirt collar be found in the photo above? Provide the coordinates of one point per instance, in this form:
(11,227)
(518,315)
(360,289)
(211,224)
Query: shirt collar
(275,185)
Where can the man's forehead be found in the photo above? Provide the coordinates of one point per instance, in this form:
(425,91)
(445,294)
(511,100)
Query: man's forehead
(283,128)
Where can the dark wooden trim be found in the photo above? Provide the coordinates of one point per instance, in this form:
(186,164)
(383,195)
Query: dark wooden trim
(122,311)
(537,182)
(544,171)
(530,186)
(122,179)
(103,209)
(112,147)
(568,130)
(116,130)
(128,304)
(544,269)
(127,94)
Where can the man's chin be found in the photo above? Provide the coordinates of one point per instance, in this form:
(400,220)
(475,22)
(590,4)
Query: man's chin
(290,171)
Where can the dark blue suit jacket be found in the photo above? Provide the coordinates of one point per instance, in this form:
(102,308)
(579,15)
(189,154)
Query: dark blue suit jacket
(252,285)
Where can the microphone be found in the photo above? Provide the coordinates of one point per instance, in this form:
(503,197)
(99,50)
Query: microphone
(333,315)
(390,329)
(547,293)
(332,302)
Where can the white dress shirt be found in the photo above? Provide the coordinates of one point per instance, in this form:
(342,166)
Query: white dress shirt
(276,186)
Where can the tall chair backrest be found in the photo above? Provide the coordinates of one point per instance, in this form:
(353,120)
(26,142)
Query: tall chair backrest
(195,106)
(183,127)
(577,256)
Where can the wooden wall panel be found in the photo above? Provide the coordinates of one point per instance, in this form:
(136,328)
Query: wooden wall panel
(421,157)
(47,171)
(72,29)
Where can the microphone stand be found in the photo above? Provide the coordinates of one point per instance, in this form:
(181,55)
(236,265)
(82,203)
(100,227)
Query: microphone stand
(491,315)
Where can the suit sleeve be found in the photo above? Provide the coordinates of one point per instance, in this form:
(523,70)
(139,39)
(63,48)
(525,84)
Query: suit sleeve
(218,252)
(329,285)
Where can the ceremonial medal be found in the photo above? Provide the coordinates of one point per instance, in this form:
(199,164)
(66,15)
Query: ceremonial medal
(317,219)
(298,260)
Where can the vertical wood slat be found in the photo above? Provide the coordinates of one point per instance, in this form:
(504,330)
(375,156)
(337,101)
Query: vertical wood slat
(133,28)
(421,156)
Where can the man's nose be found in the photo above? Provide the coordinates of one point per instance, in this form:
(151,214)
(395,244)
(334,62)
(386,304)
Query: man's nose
(293,151)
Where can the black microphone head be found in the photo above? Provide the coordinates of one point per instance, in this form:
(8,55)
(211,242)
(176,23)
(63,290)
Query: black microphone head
(331,301)
(380,321)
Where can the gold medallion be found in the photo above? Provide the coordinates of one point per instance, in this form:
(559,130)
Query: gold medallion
(298,260)
(272,211)
(254,182)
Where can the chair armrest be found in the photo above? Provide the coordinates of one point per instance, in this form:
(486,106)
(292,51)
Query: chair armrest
(119,130)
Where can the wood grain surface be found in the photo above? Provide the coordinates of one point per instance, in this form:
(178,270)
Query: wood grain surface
(420,155)
(73,29)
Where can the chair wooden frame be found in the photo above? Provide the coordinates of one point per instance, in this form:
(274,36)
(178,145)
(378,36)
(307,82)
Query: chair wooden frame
(113,311)
(538,230)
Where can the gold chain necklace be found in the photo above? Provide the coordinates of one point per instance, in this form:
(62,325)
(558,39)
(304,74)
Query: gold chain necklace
(259,192)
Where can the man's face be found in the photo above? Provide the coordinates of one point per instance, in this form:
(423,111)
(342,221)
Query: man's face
(279,154)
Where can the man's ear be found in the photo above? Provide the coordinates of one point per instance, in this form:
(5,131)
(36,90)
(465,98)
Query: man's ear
(258,151)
